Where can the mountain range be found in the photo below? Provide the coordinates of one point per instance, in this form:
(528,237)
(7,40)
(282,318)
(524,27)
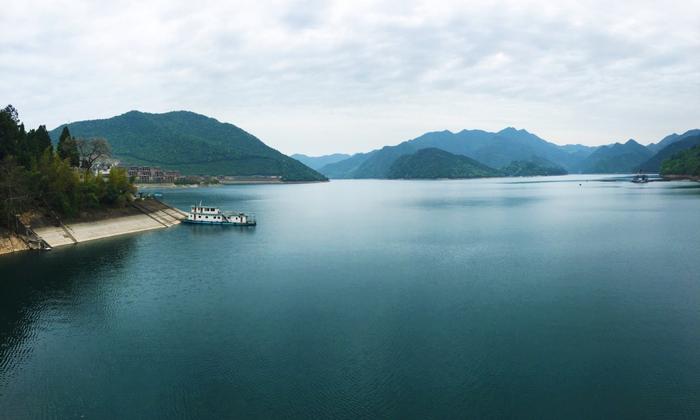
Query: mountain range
(198,145)
(512,148)
(320,161)
(191,143)
(680,143)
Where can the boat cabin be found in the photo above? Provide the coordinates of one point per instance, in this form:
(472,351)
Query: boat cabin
(212,215)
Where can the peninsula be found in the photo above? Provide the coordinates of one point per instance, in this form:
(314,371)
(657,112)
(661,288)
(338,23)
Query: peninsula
(52,197)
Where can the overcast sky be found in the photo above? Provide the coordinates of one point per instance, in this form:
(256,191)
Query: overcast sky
(345,76)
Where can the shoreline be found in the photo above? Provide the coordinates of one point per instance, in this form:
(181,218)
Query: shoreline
(681,178)
(171,185)
(139,216)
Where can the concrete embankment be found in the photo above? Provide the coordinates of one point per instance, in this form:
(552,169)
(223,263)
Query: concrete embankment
(146,215)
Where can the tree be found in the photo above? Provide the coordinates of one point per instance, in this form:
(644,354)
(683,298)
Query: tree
(12,112)
(65,134)
(67,148)
(9,132)
(37,141)
(32,176)
(14,190)
(118,188)
(56,184)
(91,151)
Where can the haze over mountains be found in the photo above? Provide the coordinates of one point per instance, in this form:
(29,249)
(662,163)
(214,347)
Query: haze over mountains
(503,149)
(320,161)
(199,145)
(677,144)
(191,143)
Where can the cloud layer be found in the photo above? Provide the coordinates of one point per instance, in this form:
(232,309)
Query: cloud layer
(335,76)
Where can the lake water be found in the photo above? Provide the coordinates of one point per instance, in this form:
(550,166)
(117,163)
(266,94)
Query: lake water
(563,297)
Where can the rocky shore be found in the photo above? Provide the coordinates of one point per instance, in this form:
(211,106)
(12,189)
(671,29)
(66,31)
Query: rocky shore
(11,242)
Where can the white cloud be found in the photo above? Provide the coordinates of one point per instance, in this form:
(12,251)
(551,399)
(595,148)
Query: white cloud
(317,77)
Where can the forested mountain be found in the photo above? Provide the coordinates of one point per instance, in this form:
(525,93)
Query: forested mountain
(616,158)
(654,164)
(670,139)
(432,163)
(191,143)
(492,149)
(685,163)
(536,166)
(317,162)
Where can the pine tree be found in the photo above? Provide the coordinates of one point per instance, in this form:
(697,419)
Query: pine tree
(65,134)
(9,132)
(38,141)
(67,148)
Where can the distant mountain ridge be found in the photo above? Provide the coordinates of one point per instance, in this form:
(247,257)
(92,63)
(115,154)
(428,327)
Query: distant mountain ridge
(670,139)
(616,158)
(517,149)
(653,165)
(492,149)
(317,162)
(191,143)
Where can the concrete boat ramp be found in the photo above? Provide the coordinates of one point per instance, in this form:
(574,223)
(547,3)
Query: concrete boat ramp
(148,215)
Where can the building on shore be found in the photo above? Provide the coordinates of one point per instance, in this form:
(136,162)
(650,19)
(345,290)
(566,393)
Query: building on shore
(155,175)
(102,167)
(249,179)
(152,175)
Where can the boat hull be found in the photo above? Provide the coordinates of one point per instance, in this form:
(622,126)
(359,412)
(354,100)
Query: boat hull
(203,222)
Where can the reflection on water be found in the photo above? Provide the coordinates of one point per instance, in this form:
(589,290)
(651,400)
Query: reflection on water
(377,299)
(41,285)
(214,230)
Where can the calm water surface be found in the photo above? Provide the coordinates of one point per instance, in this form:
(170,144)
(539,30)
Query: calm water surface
(563,297)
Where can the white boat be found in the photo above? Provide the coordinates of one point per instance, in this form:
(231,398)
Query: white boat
(640,179)
(200,214)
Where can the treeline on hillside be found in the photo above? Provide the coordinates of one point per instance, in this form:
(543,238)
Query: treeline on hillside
(35,176)
(685,163)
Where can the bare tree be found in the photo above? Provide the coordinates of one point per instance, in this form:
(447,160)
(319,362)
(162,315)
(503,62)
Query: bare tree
(91,151)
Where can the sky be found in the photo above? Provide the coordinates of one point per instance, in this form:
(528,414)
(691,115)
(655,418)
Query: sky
(320,77)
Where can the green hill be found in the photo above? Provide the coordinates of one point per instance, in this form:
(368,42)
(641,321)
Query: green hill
(686,163)
(654,164)
(191,143)
(536,166)
(616,158)
(493,149)
(434,163)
